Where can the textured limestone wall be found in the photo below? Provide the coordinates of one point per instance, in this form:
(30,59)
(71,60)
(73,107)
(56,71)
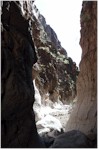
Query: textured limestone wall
(84,116)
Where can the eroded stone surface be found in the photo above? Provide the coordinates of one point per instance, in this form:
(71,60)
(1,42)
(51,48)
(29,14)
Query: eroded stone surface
(84,115)
(58,71)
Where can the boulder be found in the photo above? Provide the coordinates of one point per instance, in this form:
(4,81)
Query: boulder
(49,137)
(72,139)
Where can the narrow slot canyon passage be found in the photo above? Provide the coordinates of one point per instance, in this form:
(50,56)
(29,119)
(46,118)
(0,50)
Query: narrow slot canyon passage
(47,100)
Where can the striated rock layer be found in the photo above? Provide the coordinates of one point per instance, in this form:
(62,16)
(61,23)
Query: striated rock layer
(84,116)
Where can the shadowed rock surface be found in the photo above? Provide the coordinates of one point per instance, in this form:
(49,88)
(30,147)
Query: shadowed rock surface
(72,139)
(18,127)
(49,138)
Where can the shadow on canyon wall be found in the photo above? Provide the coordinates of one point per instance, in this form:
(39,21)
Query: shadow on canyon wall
(18,128)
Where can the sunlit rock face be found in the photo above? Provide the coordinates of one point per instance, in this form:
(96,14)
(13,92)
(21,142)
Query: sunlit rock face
(84,116)
(50,32)
(58,71)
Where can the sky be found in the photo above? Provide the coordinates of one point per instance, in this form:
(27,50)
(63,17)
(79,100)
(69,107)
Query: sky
(64,17)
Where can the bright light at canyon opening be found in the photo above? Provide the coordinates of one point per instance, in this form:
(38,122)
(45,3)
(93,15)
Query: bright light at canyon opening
(64,17)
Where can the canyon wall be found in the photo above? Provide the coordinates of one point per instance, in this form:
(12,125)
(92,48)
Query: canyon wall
(26,39)
(18,128)
(84,115)
(57,73)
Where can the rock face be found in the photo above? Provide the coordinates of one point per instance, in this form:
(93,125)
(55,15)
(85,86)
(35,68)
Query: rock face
(58,74)
(50,32)
(72,139)
(18,55)
(84,116)
(57,77)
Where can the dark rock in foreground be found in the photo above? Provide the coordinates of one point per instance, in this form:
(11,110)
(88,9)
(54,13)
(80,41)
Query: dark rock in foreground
(18,129)
(72,139)
(49,138)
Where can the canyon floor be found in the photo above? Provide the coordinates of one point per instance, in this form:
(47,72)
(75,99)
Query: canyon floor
(50,115)
(59,111)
